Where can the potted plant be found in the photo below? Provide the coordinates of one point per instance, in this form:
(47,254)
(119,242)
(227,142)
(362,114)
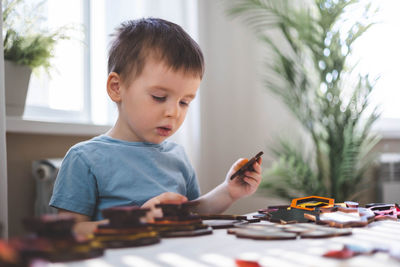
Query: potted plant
(311,42)
(26,48)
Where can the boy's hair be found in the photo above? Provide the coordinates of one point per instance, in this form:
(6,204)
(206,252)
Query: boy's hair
(136,40)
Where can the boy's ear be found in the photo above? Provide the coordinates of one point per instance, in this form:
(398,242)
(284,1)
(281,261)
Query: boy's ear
(114,84)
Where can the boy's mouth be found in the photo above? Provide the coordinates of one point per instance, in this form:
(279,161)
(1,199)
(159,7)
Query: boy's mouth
(164,130)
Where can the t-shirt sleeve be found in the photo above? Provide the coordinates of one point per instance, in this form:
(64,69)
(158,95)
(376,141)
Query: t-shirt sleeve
(75,186)
(193,190)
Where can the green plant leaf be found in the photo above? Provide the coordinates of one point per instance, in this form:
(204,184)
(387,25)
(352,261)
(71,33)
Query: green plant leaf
(310,51)
(27,47)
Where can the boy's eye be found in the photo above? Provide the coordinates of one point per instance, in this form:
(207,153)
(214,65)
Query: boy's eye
(184,103)
(159,98)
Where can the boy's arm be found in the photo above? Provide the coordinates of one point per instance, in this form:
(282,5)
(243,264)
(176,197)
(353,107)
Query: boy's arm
(220,198)
(83,225)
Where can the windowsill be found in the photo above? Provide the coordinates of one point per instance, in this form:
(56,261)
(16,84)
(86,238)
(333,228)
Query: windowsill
(21,125)
(387,128)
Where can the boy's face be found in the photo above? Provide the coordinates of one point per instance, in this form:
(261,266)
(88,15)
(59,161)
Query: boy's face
(153,106)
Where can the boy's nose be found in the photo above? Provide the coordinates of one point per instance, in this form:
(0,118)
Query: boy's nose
(172,110)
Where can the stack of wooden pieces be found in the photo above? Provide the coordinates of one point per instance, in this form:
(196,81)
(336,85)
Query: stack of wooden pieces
(179,221)
(52,239)
(127,227)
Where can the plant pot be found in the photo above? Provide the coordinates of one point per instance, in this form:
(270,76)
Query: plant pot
(16,79)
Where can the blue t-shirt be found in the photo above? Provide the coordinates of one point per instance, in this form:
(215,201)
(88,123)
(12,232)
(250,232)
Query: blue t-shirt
(104,172)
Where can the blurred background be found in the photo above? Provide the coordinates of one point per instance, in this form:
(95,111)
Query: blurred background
(235,115)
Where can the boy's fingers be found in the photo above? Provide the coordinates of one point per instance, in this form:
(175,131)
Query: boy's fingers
(257,167)
(256,170)
(157,213)
(251,181)
(254,175)
(151,203)
(167,198)
(172,198)
(255,178)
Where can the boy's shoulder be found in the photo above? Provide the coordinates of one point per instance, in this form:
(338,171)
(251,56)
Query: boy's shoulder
(93,148)
(87,144)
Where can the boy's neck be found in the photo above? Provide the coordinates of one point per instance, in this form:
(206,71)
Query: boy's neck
(118,132)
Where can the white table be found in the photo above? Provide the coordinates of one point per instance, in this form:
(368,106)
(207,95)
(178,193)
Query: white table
(220,249)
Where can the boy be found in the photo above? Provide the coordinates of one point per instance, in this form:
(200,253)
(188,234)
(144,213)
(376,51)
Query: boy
(155,69)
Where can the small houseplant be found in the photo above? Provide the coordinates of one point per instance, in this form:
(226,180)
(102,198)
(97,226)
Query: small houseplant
(310,43)
(26,48)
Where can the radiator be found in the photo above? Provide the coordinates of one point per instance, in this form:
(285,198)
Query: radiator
(44,172)
(389,178)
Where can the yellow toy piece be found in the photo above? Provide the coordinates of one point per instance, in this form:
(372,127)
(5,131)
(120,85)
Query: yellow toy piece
(312,202)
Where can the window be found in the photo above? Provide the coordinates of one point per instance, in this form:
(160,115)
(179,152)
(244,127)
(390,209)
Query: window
(61,91)
(75,90)
(379,54)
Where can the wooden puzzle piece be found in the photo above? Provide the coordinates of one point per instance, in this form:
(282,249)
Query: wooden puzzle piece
(343,217)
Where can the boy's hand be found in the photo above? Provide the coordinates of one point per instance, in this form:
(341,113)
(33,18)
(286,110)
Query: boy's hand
(165,198)
(83,227)
(245,184)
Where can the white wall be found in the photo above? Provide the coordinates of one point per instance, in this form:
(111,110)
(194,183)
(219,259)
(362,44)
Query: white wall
(239,117)
(3,157)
